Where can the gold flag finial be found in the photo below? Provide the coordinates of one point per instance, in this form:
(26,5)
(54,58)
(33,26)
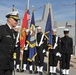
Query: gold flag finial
(13,8)
(26,8)
(32,8)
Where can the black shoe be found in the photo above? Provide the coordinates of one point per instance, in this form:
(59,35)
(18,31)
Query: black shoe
(40,73)
(30,72)
(22,71)
(17,70)
(35,72)
(49,73)
(54,73)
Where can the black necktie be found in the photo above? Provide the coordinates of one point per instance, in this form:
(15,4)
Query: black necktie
(13,34)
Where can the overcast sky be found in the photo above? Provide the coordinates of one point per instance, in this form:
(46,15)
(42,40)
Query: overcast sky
(63,10)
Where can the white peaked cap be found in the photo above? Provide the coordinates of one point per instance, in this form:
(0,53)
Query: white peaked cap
(39,27)
(27,30)
(54,30)
(66,29)
(12,13)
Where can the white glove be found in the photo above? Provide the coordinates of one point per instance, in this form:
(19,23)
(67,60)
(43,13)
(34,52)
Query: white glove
(26,47)
(47,53)
(16,45)
(43,50)
(31,32)
(58,54)
(71,54)
(21,51)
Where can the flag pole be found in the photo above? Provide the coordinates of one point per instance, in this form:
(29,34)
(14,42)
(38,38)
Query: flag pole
(48,63)
(21,64)
(28,4)
(49,24)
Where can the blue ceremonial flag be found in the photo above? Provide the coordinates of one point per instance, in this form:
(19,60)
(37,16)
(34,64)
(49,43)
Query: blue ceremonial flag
(48,30)
(32,39)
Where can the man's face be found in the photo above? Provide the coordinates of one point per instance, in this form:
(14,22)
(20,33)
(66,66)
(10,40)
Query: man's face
(13,22)
(54,32)
(38,30)
(66,34)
